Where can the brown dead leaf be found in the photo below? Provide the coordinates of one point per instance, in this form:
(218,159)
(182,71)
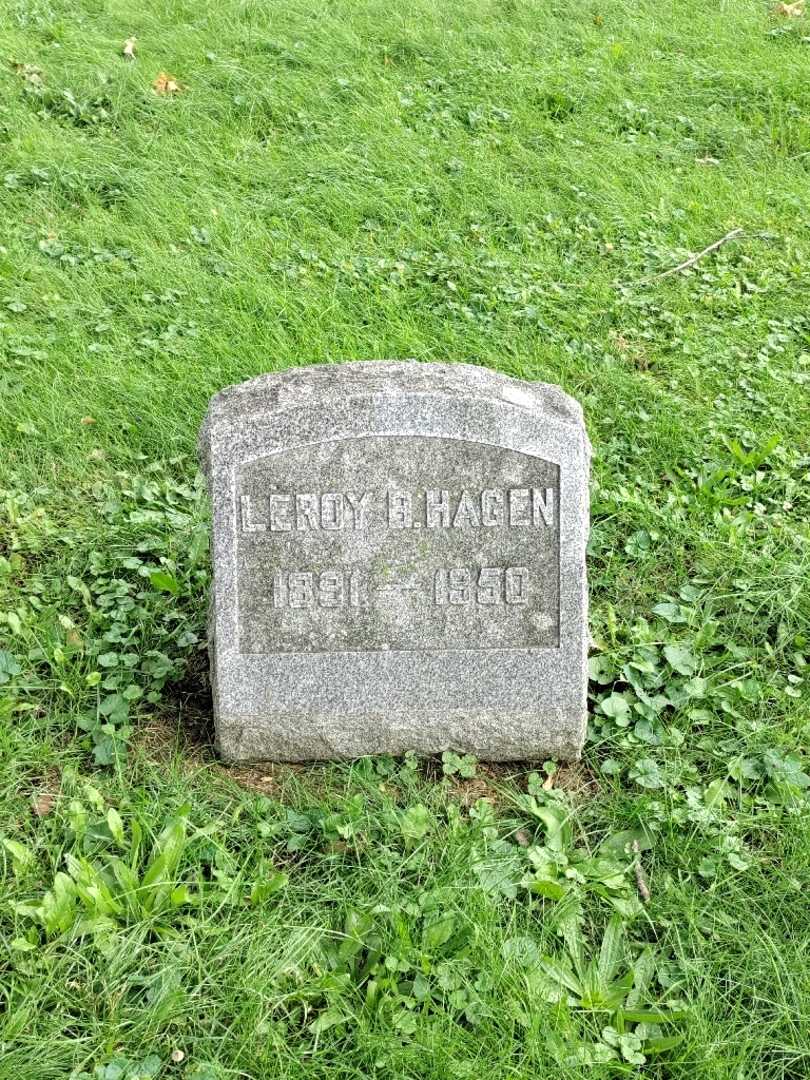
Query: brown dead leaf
(622,344)
(30,73)
(792,11)
(43,804)
(166,84)
(129,48)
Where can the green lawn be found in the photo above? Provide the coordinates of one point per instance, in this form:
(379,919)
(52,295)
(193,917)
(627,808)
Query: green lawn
(498,181)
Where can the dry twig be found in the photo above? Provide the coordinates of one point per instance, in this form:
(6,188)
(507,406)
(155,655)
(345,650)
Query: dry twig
(641,880)
(735,234)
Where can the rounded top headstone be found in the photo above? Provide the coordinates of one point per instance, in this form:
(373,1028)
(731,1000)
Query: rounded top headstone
(399,563)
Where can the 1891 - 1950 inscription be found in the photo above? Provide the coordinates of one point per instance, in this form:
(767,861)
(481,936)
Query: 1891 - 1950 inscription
(399,563)
(339,549)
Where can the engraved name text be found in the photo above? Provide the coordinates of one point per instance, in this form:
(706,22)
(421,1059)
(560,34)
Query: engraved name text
(433,508)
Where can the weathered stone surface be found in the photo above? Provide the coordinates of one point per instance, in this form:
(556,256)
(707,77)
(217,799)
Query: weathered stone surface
(399,563)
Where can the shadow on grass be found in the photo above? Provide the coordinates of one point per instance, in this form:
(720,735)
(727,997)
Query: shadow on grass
(184,721)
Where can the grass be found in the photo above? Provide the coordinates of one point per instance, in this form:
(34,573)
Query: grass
(500,182)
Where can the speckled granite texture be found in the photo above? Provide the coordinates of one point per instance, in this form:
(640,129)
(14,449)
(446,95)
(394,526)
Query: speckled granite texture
(399,563)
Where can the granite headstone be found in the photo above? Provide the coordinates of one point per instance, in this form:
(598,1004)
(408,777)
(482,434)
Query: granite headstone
(399,563)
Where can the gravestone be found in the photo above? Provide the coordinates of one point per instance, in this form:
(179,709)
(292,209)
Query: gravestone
(399,563)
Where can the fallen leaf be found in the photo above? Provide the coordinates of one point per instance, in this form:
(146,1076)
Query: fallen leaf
(30,73)
(129,48)
(87,420)
(622,344)
(166,84)
(43,804)
(792,11)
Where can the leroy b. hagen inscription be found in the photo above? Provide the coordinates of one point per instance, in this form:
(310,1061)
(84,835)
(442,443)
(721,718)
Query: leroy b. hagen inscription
(381,543)
(385,567)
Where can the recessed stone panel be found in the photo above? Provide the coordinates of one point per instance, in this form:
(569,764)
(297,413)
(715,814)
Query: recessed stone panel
(391,542)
